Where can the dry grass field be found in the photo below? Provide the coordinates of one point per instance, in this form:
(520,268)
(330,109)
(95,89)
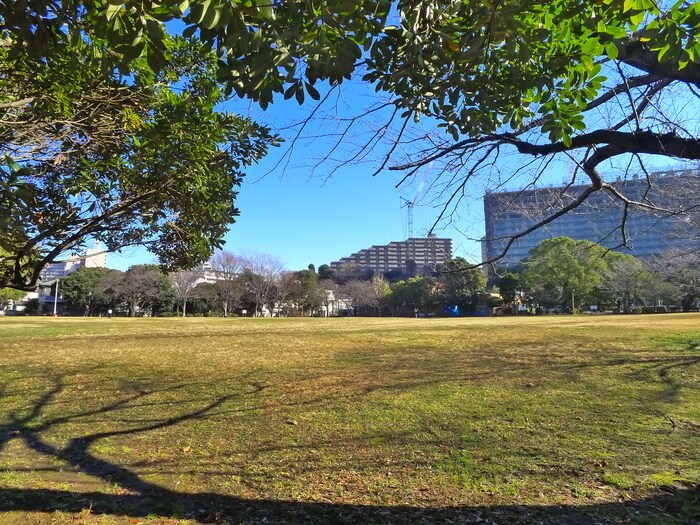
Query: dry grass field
(578,420)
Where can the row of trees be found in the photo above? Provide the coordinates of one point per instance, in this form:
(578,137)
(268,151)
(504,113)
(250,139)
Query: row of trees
(256,284)
(567,273)
(560,273)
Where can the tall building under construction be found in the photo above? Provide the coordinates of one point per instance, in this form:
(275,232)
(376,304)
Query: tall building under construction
(599,219)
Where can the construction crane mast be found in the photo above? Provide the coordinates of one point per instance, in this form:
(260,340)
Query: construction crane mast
(409,210)
(409,204)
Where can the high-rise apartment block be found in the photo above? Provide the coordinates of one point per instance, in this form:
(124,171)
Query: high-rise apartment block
(599,219)
(424,251)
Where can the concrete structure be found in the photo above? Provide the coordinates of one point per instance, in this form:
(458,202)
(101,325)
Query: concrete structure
(598,219)
(425,251)
(210,275)
(94,258)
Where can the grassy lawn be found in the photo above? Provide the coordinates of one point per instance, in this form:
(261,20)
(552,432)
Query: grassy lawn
(163,421)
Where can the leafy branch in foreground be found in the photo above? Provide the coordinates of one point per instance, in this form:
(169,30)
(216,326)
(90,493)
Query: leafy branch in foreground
(145,160)
(605,85)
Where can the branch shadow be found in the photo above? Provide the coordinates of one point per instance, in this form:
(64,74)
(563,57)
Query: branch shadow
(679,506)
(142,498)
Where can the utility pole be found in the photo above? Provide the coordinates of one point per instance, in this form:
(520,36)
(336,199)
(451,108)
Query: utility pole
(55,300)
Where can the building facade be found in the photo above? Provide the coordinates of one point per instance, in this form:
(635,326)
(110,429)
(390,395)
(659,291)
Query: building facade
(424,251)
(598,219)
(93,258)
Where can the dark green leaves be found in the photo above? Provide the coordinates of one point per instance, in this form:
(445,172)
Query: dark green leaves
(145,162)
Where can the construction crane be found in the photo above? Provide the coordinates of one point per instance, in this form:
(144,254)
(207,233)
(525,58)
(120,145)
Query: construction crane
(409,210)
(409,204)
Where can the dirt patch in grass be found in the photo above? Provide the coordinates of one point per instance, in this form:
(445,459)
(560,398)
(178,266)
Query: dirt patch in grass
(350,420)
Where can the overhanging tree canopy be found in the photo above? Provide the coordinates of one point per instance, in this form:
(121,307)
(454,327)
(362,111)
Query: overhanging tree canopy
(595,82)
(146,160)
(602,85)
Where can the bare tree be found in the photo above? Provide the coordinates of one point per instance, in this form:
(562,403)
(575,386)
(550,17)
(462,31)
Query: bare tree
(184,284)
(285,286)
(381,292)
(361,294)
(629,280)
(329,292)
(681,270)
(262,271)
(227,267)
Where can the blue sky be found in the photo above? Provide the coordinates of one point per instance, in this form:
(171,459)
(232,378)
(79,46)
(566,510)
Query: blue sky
(292,210)
(297,214)
(302,220)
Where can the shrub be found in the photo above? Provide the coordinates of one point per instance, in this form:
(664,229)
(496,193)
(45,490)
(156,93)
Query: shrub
(33,306)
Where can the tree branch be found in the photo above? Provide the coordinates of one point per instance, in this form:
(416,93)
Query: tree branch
(667,144)
(637,54)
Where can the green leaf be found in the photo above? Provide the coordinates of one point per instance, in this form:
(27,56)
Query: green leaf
(189,31)
(616,31)
(312,91)
(112,11)
(637,19)
(184,6)
(663,52)
(289,93)
(211,17)
(611,50)
(266,10)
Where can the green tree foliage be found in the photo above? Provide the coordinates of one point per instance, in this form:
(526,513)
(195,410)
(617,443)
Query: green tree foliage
(474,65)
(416,294)
(83,289)
(571,78)
(33,306)
(459,283)
(9,294)
(142,160)
(205,299)
(275,47)
(509,286)
(142,288)
(308,296)
(560,267)
(325,273)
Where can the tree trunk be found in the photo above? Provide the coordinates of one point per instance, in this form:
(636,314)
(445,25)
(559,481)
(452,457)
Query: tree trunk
(184,308)
(687,302)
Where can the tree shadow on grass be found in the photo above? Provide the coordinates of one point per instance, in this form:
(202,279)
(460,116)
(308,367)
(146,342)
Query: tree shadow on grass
(140,497)
(682,506)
